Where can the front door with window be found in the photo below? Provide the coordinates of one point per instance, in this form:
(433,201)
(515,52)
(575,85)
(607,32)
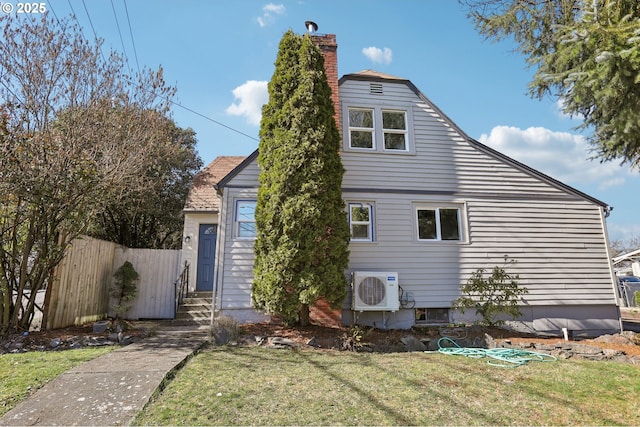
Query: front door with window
(206,257)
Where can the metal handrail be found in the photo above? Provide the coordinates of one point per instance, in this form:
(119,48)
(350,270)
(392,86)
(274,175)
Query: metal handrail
(181,286)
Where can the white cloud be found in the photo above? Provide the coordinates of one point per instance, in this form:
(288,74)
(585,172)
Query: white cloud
(560,111)
(621,231)
(377,55)
(561,155)
(251,96)
(268,14)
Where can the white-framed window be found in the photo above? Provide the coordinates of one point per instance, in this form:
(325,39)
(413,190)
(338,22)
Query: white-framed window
(377,129)
(361,221)
(245,219)
(439,223)
(362,128)
(394,130)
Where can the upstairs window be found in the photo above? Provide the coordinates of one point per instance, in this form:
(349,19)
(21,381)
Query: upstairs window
(378,129)
(246,219)
(394,129)
(361,128)
(439,223)
(361,222)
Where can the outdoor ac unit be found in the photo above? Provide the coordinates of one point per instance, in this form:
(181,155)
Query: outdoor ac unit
(375,291)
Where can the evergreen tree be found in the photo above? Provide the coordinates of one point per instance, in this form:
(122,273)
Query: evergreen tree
(585,52)
(302,231)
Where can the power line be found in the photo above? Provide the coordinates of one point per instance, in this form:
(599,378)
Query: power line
(95,35)
(208,118)
(115,15)
(127,78)
(165,98)
(133,43)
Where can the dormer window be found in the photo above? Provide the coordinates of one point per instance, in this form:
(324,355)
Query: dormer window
(369,125)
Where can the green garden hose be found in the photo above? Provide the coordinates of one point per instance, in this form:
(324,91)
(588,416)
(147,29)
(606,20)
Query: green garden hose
(500,357)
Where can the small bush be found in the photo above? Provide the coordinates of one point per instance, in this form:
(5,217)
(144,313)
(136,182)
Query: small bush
(224,330)
(124,289)
(493,295)
(353,339)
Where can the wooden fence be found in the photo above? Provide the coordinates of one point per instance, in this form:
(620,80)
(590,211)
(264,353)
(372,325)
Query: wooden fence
(79,291)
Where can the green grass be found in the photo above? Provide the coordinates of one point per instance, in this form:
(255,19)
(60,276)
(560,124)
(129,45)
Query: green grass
(23,373)
(257,386)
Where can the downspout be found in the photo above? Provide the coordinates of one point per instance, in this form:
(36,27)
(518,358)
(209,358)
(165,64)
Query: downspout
(219,251)
(605,211)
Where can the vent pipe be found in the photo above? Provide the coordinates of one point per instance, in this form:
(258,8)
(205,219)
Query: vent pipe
(311,26)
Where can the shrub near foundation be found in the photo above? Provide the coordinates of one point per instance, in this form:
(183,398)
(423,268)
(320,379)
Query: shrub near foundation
(493,295)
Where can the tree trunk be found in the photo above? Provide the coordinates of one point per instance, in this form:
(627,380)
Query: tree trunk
(304,317)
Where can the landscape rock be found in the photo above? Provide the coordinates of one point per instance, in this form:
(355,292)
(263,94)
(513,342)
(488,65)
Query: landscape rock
(411,344)
(220,336)
(279,342)
(101,326)
(621,339)
(576,349)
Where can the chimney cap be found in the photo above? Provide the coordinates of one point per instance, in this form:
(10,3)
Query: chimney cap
(311,26)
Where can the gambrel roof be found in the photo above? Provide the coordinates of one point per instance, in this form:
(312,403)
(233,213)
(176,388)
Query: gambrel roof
(375,76)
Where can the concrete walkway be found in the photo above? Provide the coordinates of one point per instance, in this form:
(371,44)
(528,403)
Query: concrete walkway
(111,389)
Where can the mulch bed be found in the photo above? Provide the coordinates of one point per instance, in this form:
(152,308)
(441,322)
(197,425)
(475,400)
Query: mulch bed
(390,340)
(67,338)
(316,336)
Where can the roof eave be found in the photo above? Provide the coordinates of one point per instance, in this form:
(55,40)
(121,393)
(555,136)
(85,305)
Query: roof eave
(235,171)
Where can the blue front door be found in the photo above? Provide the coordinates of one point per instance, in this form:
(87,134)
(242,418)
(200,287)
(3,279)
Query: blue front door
(206,256)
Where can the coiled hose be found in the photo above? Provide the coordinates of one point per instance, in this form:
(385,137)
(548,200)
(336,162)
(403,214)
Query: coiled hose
(500,357)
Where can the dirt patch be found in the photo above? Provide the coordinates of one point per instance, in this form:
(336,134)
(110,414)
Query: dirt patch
(391,340)
(70,338)
(306,337)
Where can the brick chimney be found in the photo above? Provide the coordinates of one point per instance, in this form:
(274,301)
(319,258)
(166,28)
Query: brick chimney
(329,48)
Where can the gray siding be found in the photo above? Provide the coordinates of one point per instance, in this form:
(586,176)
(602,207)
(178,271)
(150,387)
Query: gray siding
(247,177)
(556,236)
(559,248)
(235,262)
(443,161)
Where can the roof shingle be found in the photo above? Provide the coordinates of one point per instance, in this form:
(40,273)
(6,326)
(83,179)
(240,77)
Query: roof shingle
(202,196)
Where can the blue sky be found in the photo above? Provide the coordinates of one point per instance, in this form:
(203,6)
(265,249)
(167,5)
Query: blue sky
(220,55)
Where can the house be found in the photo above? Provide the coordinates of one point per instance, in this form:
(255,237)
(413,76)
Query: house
(201,211)
(427,206)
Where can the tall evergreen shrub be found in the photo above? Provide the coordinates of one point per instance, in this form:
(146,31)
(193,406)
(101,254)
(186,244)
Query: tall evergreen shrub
(302,231)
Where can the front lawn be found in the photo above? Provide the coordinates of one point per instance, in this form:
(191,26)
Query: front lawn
(258,386)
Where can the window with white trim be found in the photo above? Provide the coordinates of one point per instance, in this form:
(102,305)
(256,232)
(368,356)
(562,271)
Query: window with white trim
(439,223)
(368,125)
(361,221)
(361,128)
(394,129)
(245,219)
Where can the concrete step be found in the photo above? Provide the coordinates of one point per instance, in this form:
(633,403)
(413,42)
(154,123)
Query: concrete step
(196,303)
(207,295)
(195,310)
(195,315)
(197,323)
